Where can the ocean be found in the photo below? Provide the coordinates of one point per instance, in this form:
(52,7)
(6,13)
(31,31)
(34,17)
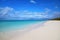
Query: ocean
(14,24)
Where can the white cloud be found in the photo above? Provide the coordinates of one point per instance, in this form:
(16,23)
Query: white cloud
(33,15)
(5,10)
(11,13)
(32,1)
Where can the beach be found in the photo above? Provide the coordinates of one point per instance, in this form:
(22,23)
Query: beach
(49,30)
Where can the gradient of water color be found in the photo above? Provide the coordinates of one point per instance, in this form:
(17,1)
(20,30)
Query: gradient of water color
(12,25)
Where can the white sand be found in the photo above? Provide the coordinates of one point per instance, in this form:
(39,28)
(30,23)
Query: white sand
(50,30)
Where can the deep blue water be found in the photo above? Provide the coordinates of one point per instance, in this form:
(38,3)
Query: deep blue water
(14,24)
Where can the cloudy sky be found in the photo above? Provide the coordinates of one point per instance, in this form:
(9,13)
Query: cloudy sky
(29,9)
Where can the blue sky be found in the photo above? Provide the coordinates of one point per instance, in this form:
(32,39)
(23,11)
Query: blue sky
(29,9)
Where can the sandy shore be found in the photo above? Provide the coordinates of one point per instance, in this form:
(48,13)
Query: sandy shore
(50,30)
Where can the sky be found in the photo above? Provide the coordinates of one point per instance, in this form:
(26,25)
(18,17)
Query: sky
(29,9)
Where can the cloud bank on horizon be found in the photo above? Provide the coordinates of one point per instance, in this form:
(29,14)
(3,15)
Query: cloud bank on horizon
(29,9)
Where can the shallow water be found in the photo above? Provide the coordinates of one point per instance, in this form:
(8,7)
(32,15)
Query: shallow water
(11,24)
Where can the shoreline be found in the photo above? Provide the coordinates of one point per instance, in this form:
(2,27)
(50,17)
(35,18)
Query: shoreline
(50,31)
(33,31)
(20,32)
(26,26)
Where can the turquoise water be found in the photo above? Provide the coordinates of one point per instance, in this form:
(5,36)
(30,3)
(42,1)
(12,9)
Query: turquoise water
(10,25)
